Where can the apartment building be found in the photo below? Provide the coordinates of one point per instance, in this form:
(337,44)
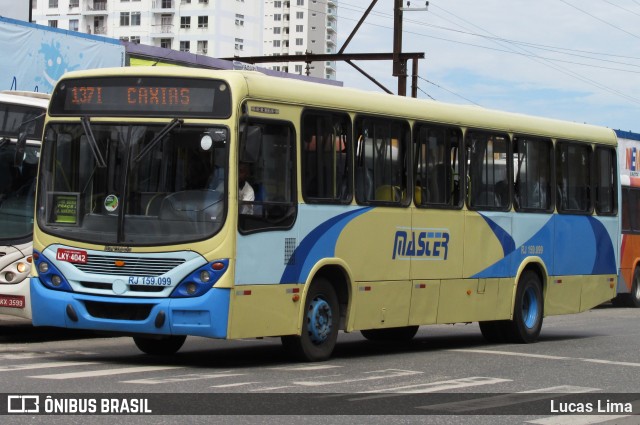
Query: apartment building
(216,28)
(293,27)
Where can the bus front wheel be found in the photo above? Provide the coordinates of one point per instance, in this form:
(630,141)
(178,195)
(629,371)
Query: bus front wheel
(319,326)
(164,346)
(528,310)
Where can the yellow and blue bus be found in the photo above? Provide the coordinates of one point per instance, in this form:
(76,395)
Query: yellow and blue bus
(366,212)
(21,122)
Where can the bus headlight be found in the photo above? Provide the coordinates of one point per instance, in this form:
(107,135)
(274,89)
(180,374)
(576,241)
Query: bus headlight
(9,276)
(49,275)
(201,280)
(43,267)
(22,267)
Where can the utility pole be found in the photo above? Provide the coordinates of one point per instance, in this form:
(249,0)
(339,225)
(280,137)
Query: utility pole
(399,66)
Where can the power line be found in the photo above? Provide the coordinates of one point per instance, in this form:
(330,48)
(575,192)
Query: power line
(601,20)
(623,8)
(447,90)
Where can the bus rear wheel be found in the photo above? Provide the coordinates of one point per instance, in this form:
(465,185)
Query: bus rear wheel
(632,299)
(319,326)
(405,333)
(528,310)
(164,346)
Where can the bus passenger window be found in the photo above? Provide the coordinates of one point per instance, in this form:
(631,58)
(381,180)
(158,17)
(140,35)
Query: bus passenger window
(606,181)
(326,157)
(488,175)
(532,159)
(381,161)
(436,165)
(573,178)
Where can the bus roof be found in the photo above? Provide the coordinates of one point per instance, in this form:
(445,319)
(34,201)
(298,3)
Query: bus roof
(25,98)
(262,87)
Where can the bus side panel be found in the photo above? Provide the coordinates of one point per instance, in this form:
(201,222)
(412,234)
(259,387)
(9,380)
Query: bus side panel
(595,289)
(439,236)
(562,296)
(424,302)
(265,310)
(375,246)
(486,242)
(468,300)
(382,304)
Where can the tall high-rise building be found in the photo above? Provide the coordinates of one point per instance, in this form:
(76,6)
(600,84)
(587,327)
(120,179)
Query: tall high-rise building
(213,28)
(295,27)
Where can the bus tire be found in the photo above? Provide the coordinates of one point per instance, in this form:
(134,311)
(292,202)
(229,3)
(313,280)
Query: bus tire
(632,299)
(164,346)
(494,331)
(401,334)
(528,310)
(319,326)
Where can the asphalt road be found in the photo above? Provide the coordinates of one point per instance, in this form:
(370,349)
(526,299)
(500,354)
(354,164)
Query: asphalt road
(447,375)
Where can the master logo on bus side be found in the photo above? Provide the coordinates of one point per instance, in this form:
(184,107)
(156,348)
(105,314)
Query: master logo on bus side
(421,244)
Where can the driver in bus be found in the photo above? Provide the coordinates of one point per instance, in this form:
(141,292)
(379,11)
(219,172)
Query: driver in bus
(245,191)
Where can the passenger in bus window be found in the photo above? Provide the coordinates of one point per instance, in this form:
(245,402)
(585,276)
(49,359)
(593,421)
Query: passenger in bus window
(246,193)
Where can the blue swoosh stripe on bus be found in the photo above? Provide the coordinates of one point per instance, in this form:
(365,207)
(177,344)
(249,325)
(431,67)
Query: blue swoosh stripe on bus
(582,247)
(319,243)
(505,239)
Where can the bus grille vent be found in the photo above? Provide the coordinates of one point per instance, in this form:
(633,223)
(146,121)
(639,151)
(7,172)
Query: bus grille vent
(133,266)
(289,251)
(117,311)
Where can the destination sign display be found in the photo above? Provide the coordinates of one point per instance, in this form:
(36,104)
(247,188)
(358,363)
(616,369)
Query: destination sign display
(142,96)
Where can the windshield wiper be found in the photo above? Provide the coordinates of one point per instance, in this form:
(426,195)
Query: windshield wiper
(173,124)
(95,149)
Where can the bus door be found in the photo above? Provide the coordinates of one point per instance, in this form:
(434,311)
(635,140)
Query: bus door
(437,217)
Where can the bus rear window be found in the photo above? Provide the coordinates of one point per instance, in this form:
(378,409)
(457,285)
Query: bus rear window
(143,97)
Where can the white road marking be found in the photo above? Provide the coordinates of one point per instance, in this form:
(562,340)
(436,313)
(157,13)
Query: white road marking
(181,378)
(41,355)
(237,384)
(388,373)
(431,387)
(271,388)
(94,373)
(9,368)
(544,356)
(305,368)
(508,399)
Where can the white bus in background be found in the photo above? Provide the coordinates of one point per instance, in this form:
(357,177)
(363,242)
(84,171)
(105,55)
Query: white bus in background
(21,121)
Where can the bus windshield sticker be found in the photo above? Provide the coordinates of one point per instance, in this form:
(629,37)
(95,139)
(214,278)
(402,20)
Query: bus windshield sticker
(111,203)
(65,208)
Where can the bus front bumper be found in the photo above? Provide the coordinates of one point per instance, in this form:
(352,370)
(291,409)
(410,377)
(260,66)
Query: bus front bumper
(206,315)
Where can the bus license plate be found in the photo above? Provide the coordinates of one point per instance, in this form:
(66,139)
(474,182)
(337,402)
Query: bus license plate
(72,255)
(12,301)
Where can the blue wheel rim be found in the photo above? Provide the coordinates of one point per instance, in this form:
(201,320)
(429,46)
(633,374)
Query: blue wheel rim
(530,308)
(320,320)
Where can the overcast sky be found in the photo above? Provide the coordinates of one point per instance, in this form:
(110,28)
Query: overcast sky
(577,60)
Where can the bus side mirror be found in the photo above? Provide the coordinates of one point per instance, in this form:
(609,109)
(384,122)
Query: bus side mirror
(20,147)
(250,143)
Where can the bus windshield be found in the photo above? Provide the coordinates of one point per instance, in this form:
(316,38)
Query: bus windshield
(133,184)
(17,190)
